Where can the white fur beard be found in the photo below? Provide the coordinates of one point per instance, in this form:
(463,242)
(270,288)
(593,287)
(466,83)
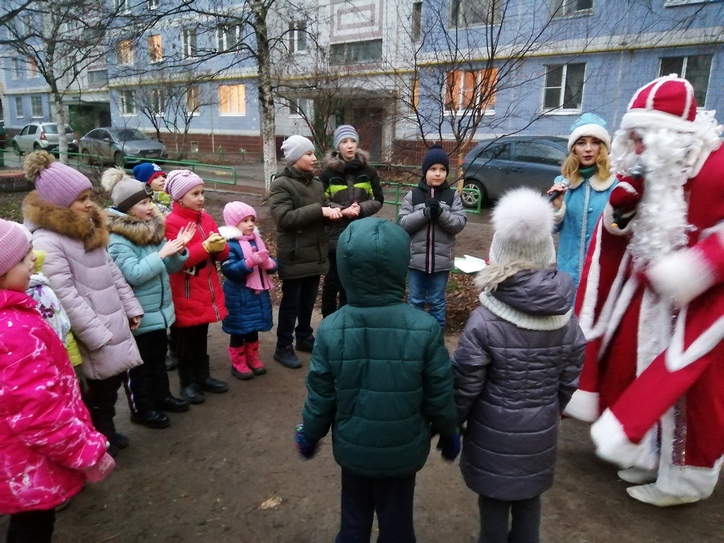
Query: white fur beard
(660,225)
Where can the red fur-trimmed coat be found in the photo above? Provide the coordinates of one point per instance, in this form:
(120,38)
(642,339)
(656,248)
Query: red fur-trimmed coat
(196,289)
(617,384)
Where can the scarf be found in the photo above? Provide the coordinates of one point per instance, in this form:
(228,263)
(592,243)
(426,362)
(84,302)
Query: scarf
(256,280)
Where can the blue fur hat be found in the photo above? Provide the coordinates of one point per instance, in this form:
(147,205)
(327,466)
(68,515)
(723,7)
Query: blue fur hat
(589,124)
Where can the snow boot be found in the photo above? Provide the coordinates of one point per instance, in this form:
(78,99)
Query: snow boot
(252,358)
(239,369)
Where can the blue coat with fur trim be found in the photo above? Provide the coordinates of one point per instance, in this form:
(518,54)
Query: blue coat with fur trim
(248,311)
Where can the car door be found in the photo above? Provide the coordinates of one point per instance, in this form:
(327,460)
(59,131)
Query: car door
(26,137)
(104,144)
(494,163)
(536,164)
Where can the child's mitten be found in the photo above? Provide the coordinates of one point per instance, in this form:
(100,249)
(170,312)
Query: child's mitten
(449,445)
(256,258)
(306,446)
(215,243)
(100,470)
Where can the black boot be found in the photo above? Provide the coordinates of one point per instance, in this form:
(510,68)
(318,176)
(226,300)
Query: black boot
(152,419)
(206,382)
(193,394)
(172,404)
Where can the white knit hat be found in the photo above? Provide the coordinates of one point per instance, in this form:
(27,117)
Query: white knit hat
(523,222)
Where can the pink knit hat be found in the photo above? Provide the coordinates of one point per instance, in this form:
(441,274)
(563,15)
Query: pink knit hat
(179,182)
(14,245)
(55,182)
(234,212)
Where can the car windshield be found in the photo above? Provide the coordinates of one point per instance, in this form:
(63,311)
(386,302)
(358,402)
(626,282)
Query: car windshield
(53,129)
(128,134)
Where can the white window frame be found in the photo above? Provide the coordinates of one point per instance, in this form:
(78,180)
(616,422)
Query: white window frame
(192,93)
(15,69)
(152,4)
(568,8)
(489,109)
(122,6)
(151,49)
(459,9)
(92,83)
(36,107)
(189,41)
(682,73)
(297,106)
(19,107)
(224,34)
(416,22)
(298,37)
(158,102)
(559,109)
(238,87)
(131,56)
(127,105)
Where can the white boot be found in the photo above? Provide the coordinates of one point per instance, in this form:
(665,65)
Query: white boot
(637,476)
(652,495)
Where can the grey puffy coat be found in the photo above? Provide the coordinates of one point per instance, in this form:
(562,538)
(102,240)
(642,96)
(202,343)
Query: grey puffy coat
(512,382)
(432,241)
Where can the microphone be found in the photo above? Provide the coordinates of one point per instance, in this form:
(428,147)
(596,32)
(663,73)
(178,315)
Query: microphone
(556,193)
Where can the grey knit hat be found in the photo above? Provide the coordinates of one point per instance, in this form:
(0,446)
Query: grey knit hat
(295,147)
(523,222)
(125,190)
(343,132)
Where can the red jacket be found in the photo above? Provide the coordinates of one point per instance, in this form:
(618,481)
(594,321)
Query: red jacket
(196,289)
(46,436)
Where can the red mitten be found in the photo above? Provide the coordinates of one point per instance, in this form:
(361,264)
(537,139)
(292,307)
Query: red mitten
(100,470)
(627,194)
(256,258)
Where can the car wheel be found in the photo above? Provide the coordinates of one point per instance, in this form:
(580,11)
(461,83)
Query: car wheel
(118,159)
(37,147)
(470,198)
(86,157)
(17,149)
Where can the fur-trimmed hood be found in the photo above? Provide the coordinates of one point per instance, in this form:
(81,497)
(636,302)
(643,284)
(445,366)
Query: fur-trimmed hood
(92,231)
(334,161)
(135,230)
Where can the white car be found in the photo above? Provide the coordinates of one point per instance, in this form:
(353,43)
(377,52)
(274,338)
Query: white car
(35,136)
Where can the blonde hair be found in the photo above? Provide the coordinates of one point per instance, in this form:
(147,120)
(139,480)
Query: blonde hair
(569,168)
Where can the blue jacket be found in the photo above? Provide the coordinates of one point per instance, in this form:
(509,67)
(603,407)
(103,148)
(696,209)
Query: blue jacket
(582,206)
(134,246)
(248,311)
(380,374)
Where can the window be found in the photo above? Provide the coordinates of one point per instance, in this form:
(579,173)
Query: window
(122,6)
(97,77)
(571,7)
(16,69)
(416,21)
(470,89)
(189,42)
(497,151)
(299,107)
(228,38)
(158,102)
(128,106)
(539,153)
(19,111)
(36,106)
(152,4)
(155,52)
(124,50)
(33,71)
(695,69)
(232,100)
(474,12)
(564,86)
(297,36)
(355,52)
(193,100)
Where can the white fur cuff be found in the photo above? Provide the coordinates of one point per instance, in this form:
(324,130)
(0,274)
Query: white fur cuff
(613,445)
(682,276)
(583,406)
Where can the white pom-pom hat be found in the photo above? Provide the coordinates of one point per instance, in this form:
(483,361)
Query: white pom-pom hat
(523,222)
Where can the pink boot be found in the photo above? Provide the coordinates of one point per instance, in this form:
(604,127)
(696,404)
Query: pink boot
(252,358)
(239,369)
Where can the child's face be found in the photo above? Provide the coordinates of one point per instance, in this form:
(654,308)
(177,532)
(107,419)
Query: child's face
(436,175)
(82,204)
(347,148)
(246,225)
(158,183)
(307,162)
(142,210)
(193,199)
(18,277)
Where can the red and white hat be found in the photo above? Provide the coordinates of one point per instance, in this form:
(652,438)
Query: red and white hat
(666,102)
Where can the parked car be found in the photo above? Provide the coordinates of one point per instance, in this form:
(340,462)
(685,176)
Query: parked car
(2,134)
(496,165)
(39,135)
(119,146)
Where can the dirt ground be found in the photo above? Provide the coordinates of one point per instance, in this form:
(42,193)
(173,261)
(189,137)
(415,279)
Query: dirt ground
(227,471)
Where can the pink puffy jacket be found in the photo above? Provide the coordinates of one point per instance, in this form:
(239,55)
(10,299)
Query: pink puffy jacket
(46,436)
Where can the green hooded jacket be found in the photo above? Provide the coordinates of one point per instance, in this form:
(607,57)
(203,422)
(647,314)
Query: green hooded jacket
(380,373)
